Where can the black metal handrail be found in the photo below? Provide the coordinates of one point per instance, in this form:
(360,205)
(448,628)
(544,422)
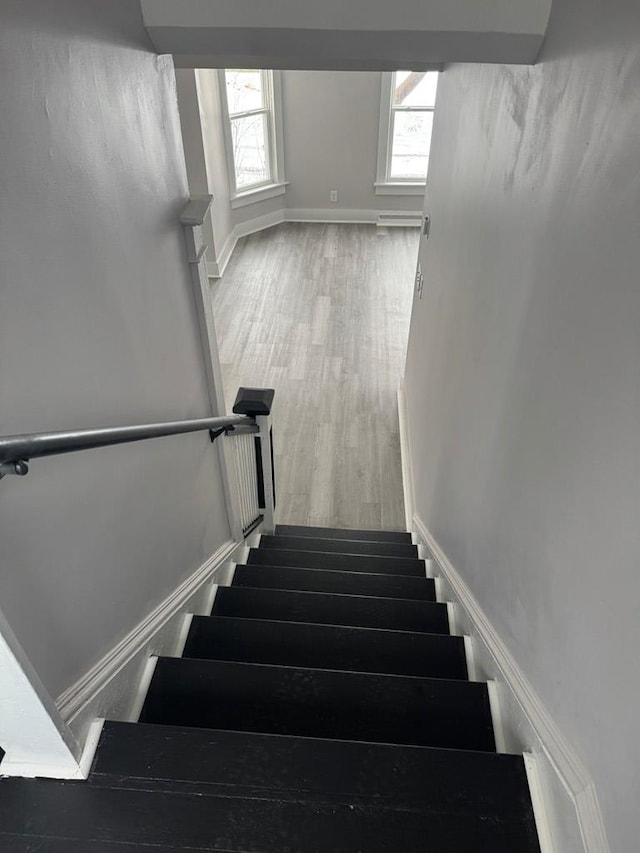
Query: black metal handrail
(17,450)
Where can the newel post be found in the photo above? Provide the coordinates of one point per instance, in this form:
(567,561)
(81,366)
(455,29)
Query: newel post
(257,403)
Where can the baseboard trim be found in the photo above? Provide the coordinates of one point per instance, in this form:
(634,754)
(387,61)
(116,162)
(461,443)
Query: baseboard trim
(258,223)
(568,767)
(362,216)
(224,256)
(215,269)
(336,216)
(111,688)
(399,219)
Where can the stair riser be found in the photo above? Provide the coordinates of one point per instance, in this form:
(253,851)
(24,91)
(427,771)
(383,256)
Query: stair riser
(323,647)
(315,703)
(338,562)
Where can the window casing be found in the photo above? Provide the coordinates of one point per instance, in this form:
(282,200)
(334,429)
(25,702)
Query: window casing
(407,105)
(252,113)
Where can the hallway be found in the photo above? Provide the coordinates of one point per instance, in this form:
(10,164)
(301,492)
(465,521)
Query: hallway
(321,313)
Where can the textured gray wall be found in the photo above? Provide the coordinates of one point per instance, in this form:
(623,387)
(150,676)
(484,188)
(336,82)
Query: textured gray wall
(97,328)
(523,372)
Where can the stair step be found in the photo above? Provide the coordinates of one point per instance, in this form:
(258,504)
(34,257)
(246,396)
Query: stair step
(339,562)
(215,761)
(339,546)
(326,647)
(394,614)
(326,580)
(93,819)
(320,703)
(342,533)
(37,844)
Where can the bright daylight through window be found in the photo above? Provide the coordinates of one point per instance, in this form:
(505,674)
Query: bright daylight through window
(253,125)
(406,121)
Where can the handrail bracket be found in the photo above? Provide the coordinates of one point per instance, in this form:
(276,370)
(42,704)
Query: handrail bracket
(19,468)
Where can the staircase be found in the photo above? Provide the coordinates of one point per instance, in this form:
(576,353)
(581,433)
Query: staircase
(323,707)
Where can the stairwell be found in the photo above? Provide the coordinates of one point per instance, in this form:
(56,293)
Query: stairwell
(322,707)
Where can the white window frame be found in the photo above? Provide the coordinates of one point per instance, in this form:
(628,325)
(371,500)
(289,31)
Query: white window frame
(276,185)
(384,184)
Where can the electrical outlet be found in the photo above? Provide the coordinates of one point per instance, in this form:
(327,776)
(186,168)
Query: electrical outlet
(333,195)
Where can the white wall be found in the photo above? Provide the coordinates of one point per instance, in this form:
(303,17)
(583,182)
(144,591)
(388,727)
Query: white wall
(331,121)
(523,373)
(97,328)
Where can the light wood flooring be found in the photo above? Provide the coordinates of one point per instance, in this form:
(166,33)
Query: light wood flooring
(321,313)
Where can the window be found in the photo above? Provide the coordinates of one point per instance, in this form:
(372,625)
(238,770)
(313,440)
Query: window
(253,133)
(406,120)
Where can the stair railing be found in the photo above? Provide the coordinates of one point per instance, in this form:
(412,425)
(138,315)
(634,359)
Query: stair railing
(252,453)
(250,426)
(37,742)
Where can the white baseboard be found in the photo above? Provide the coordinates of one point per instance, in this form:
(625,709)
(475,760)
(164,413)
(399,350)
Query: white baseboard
(258,223)
(399,219)
(329,215)
(215,269)
(565,800)
(224,256)
(114,687)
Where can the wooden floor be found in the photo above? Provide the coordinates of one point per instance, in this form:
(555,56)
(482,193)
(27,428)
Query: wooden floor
(321,313)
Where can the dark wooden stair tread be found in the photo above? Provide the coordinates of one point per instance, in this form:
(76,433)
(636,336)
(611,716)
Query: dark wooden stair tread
(343,533)
(326,647)
(320,703)
(330,580)
(40,844)
(394,614)
(97,815)
(214,760)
